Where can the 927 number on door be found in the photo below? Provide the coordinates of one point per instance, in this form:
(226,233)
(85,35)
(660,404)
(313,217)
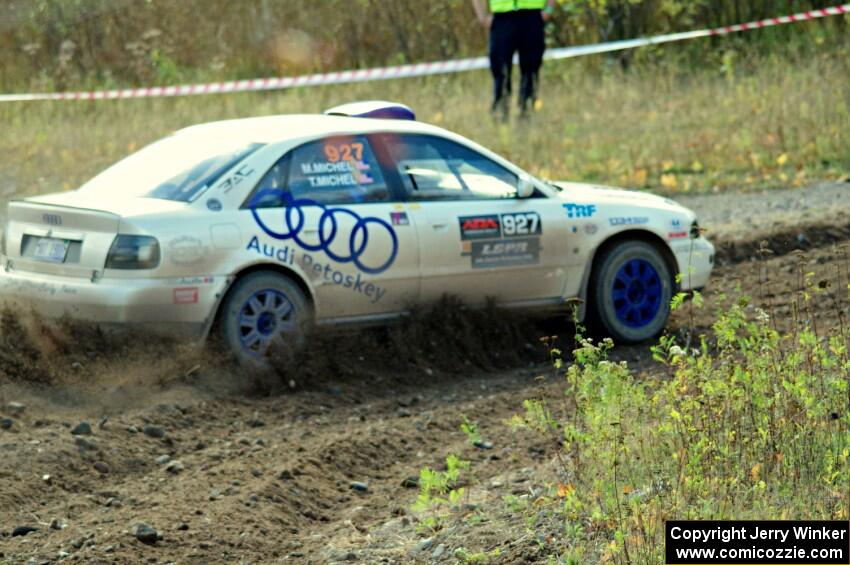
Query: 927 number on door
(521,224)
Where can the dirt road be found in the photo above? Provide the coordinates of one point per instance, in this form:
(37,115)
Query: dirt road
(324,470)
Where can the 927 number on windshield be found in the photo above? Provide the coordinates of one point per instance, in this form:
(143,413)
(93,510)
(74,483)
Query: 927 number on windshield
(344,152)
(520,224)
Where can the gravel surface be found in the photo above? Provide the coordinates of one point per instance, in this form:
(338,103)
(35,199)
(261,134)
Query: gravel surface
(741,215)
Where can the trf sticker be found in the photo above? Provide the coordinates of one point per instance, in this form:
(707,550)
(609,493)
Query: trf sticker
(580,210)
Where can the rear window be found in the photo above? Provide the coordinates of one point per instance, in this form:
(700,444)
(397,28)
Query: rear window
(178,168)
(191,183)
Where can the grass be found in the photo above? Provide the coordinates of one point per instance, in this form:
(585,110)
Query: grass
(758,121)
(746,423)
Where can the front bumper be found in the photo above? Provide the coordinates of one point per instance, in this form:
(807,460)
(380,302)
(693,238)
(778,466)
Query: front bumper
(183,305)
(695,258)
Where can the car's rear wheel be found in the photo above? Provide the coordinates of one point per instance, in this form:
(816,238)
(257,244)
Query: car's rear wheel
(262,310)
(630,291)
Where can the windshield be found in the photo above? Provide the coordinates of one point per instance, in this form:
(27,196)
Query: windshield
(179,167)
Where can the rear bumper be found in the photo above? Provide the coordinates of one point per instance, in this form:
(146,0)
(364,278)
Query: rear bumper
(183,306)
(695,258)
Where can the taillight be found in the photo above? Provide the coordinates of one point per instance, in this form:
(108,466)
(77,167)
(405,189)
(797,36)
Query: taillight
(133,252)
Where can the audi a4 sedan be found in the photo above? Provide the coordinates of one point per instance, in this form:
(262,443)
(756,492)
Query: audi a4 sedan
(255,227)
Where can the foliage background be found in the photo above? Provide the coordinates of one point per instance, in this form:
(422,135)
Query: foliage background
(63,44)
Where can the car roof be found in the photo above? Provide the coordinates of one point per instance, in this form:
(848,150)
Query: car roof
(274,129)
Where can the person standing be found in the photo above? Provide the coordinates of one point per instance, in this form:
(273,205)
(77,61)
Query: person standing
(515,26)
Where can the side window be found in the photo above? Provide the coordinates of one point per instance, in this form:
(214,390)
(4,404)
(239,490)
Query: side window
(438,169)
(334,170)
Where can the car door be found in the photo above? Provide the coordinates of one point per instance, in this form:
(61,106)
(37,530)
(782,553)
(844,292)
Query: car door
(326,208)
(477,238)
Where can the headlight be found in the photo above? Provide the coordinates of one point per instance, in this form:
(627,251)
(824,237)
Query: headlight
(133,252)
(695,231)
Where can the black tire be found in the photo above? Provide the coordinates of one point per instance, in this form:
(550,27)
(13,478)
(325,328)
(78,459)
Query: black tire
(629,292)
(275,303)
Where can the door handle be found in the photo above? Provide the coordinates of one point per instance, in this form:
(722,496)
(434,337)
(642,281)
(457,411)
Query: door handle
(440,227)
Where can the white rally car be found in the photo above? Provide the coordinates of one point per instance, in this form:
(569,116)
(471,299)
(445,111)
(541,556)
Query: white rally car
(255,226)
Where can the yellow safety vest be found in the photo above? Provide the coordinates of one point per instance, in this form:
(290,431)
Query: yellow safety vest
(498,6)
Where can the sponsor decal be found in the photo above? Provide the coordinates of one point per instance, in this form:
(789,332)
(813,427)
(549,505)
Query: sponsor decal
(214,204)
(521,224)
(317,270)
(283,254)
(505,253)
(629,221)
(677,235)
(399,219)
(505,240)
(45,288)
(329,275)
(580,210)
(344,165)
(236,179)
(357,239)
(191,281)
(52,219)
(480,227)
(676,223)
(490,226)
(185,295)
(186,250)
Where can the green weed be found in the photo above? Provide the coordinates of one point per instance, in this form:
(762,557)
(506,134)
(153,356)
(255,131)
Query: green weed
(439,493)
(747,423)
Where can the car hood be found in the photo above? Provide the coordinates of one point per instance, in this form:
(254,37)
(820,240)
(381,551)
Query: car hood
(610,195)
(124,207)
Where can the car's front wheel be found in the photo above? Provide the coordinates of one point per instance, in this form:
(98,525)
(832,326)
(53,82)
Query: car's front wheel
(630,291)
(262,309)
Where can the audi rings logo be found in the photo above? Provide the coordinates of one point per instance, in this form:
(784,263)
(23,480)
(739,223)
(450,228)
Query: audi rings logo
(328,229)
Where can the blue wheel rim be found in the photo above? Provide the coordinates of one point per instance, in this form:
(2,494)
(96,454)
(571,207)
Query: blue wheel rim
(637,293)
(265,315)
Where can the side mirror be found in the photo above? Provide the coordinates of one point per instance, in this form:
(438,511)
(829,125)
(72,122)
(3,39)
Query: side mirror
(525,187)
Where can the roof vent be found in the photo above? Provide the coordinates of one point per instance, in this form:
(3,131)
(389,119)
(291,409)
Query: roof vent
(373,109)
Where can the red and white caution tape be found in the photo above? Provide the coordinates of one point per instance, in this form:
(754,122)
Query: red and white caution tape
(407,71)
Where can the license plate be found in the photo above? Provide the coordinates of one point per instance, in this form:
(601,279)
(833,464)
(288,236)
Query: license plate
(51,250)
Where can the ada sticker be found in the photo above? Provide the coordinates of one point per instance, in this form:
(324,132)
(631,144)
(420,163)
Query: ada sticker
(505,253)
(185,295)
(480,227)
(399,219)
